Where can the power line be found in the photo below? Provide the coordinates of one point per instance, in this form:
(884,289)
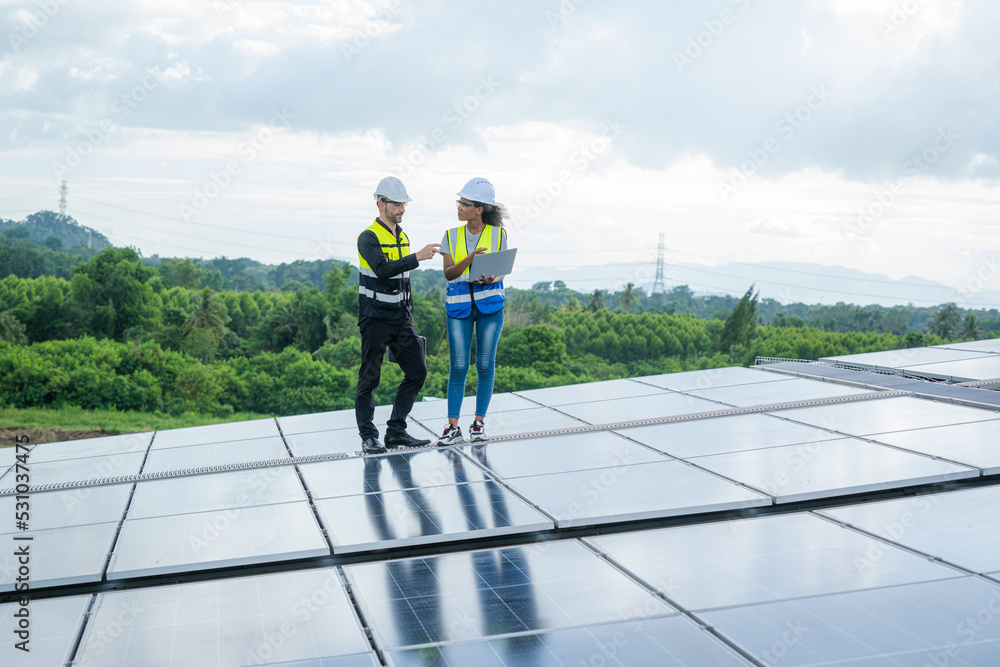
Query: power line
(205,224)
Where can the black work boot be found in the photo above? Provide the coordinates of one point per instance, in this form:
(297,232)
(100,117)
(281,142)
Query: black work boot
(395,439)
(372,446)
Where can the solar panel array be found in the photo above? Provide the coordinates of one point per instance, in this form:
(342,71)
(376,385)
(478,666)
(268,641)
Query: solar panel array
(722,517)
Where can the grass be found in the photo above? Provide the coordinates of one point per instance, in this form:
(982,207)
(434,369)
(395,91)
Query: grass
(48,424)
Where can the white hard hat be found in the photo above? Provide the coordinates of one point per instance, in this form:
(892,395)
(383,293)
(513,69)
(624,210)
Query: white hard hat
(480,190)
(391,188)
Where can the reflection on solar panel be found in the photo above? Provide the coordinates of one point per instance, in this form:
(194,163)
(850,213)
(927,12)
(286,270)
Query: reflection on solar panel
(787,514)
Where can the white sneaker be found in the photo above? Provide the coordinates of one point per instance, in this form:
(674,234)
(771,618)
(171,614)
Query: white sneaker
(452,434)
(477,431)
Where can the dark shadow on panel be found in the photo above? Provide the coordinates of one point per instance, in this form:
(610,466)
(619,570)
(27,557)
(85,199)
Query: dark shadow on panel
(506,594)
(412,583)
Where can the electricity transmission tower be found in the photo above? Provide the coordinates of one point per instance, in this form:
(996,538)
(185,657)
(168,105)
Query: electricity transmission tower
(658,285)
(63,191)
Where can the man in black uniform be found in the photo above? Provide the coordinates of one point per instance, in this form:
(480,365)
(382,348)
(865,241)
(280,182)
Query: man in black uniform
(385,317)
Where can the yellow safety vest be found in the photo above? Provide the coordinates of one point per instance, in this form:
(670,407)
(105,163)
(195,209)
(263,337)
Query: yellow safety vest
(385,298)
(461,293)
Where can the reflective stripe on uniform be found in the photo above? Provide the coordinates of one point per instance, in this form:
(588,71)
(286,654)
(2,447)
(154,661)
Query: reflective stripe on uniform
(459,298)
(378,296)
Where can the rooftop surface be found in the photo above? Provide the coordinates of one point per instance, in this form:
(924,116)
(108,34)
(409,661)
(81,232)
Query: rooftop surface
(788,514)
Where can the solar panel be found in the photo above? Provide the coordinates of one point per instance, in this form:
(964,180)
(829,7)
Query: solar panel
(983,368)
(206,540)
(60,556)
(72,507)
(831,468)
(974,444)
(662,641)
(641,407)
(436,411)
(473,595)
(960,527)
(749,561)
(199,456)
(77,449)
(407,470)
(906,357)
(55,625)
(719,435)
(630,492)
(885,415)
(331,421)
(929,623)
(203,435)
(780,586)
(295,618)
(89,468)
(342,441)
(217,491)
(975,345)
(563,453)
(714,377)
(591,391)
(430,515)
(763,393)
(517,421)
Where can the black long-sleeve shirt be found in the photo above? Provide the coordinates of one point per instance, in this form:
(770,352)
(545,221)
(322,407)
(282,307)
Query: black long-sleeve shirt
(370,248)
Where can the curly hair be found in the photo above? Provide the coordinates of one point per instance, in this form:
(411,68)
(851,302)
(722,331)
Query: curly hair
(494,214)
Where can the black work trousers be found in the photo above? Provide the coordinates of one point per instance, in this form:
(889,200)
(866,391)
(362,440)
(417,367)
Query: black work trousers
(402,339)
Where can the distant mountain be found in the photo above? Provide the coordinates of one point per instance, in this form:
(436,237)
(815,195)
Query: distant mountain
(44,224)
(786,282)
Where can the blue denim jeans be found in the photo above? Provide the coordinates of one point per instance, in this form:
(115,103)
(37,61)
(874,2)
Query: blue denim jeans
(487,329)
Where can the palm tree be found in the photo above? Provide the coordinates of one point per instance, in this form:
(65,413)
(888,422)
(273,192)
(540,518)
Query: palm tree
(11,329)
(629,296)
(596,301)
(970,328)
(209,314)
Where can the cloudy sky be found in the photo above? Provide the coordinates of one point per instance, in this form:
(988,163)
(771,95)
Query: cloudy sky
(854,133)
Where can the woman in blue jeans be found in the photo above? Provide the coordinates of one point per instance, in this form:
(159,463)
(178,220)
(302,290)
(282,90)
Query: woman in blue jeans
(474,303)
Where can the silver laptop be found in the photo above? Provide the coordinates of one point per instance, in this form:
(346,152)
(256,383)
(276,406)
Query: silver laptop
(492,264)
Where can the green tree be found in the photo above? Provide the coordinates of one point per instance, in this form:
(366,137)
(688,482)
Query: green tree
(11,329)
(946,322)
(209,315)
(629,296)
(111,293)
(740,327)
(970,328)
(596,301)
